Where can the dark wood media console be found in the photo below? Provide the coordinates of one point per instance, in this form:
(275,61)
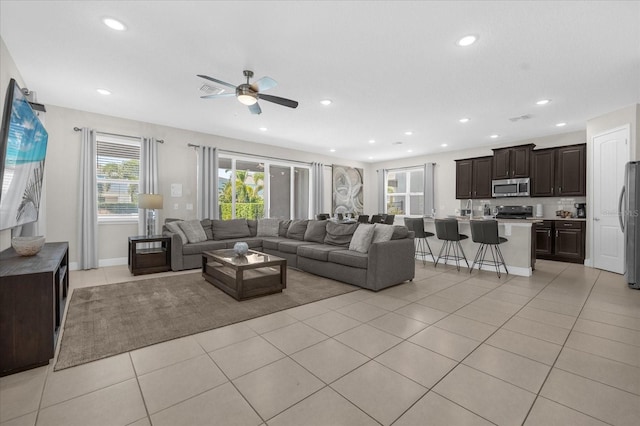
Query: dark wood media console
(33,294)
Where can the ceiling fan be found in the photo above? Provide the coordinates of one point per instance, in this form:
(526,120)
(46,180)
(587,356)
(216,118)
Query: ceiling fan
(249,93)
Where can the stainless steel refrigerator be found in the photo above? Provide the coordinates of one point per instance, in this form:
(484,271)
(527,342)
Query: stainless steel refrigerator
(629,215)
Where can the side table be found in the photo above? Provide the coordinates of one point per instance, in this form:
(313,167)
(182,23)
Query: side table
(149,260)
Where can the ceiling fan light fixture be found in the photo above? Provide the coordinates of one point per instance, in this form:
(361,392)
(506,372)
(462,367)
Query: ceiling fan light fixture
(246,95)
(247,99)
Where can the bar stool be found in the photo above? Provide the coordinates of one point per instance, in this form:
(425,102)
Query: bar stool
(377,218)
(447,231)
(388,219)
(363,218)
(416,224)
(485,232)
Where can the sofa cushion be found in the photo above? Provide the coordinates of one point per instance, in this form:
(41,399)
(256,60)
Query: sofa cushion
(268,227)
(206,225)
(291,246)
(283,228)
(253,227)
(317,252)
(349,258)
(382,233)
(316,231)
(272,242)
(233,228)
(197,248)
(193,230)
(362,238)
(175,228)
(400,232)
(339,234)
(297,229)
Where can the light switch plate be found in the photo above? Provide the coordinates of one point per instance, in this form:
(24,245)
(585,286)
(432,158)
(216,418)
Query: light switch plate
(176,190)
(189,206)
(176,206)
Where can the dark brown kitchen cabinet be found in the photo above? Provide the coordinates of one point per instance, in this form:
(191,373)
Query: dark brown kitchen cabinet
(562,240)
(512,162)
(473,178)
(559,172)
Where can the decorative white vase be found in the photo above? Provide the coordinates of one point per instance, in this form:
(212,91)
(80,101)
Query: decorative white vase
(241,248)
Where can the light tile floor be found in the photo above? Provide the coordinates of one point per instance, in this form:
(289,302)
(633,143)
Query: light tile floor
(561,347)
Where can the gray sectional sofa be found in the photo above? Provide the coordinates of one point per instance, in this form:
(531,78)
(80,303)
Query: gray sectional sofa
(373,257)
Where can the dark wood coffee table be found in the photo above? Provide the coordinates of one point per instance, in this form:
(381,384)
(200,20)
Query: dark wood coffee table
(243,277)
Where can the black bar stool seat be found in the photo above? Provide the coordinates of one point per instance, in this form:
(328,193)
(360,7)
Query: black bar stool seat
(485,232)
(416,224)
(447,231)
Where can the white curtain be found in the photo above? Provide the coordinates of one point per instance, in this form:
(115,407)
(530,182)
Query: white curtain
(382,190)
(148,180)
(317,191)
(207,183)
(429,189)
(88,202)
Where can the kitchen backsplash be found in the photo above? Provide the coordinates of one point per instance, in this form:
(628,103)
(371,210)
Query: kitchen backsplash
(549,204)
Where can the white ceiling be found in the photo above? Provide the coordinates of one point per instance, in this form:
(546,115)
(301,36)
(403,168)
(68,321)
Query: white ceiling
(388,66)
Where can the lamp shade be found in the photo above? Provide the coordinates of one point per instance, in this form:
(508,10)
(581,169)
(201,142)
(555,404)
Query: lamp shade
(150,201)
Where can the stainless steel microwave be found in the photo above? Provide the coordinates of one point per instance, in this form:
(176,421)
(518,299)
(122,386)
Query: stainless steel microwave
(510,187)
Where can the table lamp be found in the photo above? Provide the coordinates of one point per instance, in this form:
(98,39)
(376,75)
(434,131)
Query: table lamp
(150,202)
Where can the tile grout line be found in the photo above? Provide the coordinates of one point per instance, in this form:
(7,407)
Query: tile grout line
(135,373)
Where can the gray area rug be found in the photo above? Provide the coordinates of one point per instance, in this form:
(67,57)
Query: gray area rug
(107,320)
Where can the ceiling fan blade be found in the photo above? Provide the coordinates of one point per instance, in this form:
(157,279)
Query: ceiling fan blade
(220,95)
(255,109)
(206,77)
(278,100)
(265,83)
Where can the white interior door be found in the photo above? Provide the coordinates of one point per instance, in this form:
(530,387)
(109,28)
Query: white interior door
(610,154)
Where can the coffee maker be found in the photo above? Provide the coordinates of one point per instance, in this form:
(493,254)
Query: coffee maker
(581,210)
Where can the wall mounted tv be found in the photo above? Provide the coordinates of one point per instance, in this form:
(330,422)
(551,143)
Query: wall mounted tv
(23,147)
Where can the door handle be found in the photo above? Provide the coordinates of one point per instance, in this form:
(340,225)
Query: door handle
(597,219)
(620,212)
(549,233)
(556,233)
(559,190)
(552,191)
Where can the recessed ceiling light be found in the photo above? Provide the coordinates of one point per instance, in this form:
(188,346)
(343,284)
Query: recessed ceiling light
(114,24)
(370,158)
(464,120)
(543,101)
(263,129)
(408,133)
(372,141)
(326,102)
(561,124)
(103,91)
(467,40)
(409,150)
(332,150)
(494,136)
(444,145)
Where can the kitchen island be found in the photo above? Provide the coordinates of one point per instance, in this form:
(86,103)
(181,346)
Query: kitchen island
(519,251)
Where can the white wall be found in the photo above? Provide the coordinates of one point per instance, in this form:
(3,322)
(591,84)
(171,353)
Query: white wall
(177,164)
(445,170)
(8,71)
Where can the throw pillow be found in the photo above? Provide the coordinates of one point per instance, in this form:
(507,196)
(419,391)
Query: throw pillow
(193,230)
(206,225)
(382,233)
(316,231)
(253,227)
(175,228)
(400,232)
(362,238)
(232,228)
(268,227)
(283,228)
(339,234)
(297,229)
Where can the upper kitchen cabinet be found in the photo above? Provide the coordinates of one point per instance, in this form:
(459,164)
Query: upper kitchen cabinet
(512,162)
(473,178)
(559,172)
(571,170)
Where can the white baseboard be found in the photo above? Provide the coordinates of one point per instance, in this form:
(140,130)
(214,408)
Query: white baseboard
(513,270)
(117,261)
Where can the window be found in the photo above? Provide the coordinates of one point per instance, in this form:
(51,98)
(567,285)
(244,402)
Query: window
(405,191)
(118,178)
(255,188)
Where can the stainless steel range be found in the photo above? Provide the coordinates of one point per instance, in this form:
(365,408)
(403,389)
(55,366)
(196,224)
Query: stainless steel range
(514,212)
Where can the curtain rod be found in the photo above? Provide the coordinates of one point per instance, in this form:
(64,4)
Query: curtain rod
(191,145)
(77,129)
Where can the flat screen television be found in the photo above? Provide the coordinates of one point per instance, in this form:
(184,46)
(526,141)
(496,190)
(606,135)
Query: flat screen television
(23,148)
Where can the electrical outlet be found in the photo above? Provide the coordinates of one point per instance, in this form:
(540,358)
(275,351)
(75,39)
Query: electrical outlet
(176,206)
(189,206)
